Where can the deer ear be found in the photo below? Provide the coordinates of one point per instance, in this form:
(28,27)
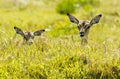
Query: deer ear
(39,32)
(72,19)
(96,19)
(18,31)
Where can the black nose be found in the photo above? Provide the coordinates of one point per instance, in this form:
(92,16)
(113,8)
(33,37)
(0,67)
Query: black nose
(81,34)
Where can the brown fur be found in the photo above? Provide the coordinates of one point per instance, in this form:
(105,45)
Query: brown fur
(28,36)
(84,26)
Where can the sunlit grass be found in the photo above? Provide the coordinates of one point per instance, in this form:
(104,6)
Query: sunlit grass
(58,53)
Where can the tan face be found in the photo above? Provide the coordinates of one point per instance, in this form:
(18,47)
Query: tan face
(28,36)
(84,26)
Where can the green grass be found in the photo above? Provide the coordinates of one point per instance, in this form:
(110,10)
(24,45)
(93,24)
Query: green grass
(57,54)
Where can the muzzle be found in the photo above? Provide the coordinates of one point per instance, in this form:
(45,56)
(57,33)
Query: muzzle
(81,34)
(30,41)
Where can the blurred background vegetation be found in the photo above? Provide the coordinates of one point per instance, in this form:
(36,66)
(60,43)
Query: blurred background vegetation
(62,6)
(70,6)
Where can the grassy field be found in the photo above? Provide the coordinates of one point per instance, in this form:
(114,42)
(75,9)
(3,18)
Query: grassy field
(58,53)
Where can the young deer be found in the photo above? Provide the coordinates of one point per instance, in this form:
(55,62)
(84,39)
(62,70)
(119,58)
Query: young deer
(84,26)
(28,36)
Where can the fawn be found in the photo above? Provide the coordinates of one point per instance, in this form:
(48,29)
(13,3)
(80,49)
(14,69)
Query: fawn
(84,26)
(28,36)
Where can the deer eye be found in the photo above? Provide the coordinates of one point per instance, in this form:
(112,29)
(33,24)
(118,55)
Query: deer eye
(26,37)
(79,26)
(32,37)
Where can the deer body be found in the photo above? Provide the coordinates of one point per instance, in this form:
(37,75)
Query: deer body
(28,36)
(84,26)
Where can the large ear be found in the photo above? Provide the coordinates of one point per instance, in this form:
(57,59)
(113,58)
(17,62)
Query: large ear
(72,19)
(39,32)
(96,19)
(18,31)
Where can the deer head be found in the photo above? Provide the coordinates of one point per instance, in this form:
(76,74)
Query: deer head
(84,26)
(28,36)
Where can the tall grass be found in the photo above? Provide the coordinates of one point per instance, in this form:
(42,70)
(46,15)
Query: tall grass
(57,54)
